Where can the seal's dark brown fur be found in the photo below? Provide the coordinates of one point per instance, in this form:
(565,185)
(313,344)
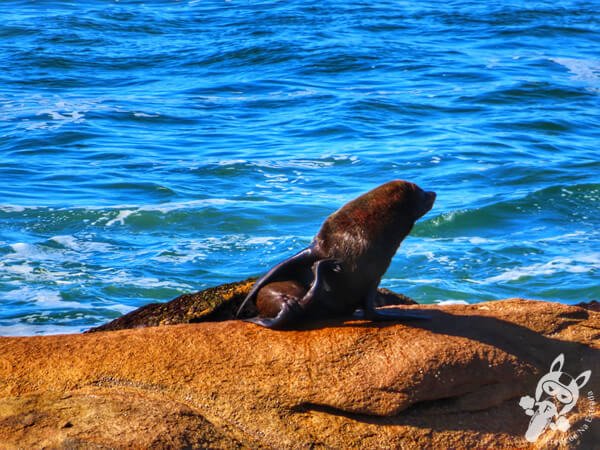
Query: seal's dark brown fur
(352,251)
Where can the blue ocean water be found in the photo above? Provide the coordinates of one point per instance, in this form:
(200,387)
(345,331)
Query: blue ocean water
(153,149)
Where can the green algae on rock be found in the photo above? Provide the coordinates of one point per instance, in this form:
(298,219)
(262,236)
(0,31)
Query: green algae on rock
(212,304)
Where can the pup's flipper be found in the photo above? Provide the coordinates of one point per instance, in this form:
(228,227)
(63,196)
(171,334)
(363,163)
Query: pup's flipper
(295,308)
(301,260)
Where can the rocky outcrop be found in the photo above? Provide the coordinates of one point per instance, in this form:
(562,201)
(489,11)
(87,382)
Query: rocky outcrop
(451,382)
(211,305)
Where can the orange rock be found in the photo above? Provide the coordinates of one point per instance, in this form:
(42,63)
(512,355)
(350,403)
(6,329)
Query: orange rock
(451,382)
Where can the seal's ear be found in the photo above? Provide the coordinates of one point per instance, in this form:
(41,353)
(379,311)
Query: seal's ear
(558,363)
(583,378)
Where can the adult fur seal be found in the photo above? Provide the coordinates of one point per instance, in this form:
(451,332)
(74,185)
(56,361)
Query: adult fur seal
(341,269)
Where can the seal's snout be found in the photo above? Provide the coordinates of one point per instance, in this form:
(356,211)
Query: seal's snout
(428,200)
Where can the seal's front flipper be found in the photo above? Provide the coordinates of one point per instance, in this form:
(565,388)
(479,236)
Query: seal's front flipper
(304,258)
(371,312)
(381,314)
(323,270)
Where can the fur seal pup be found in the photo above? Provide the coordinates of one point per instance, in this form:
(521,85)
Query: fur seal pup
(340,271)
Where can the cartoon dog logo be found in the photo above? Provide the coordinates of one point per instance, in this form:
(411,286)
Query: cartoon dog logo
(556,389)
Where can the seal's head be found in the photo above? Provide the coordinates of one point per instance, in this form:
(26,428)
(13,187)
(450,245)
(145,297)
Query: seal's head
(407,199)
(416,200)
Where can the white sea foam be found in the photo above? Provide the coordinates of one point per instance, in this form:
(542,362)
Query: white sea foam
(263,240)
(21,247)
(141,114)
(562,237)
(12,208)
(20,329)
(390,281)
(584,70)
(179,257)
(121,216)
(231,162)
(478,240)
(447,217)
(29,252)
(58,112)
(577,264)
(183,251)
(53,112)
(295,163)
(70,242)
(123,278)
(43,298)
(44,263)
(70,116)
(127,210)
(123,309)
(302,93)
(451,302)
(25,270)
(164,207)
(277,178)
